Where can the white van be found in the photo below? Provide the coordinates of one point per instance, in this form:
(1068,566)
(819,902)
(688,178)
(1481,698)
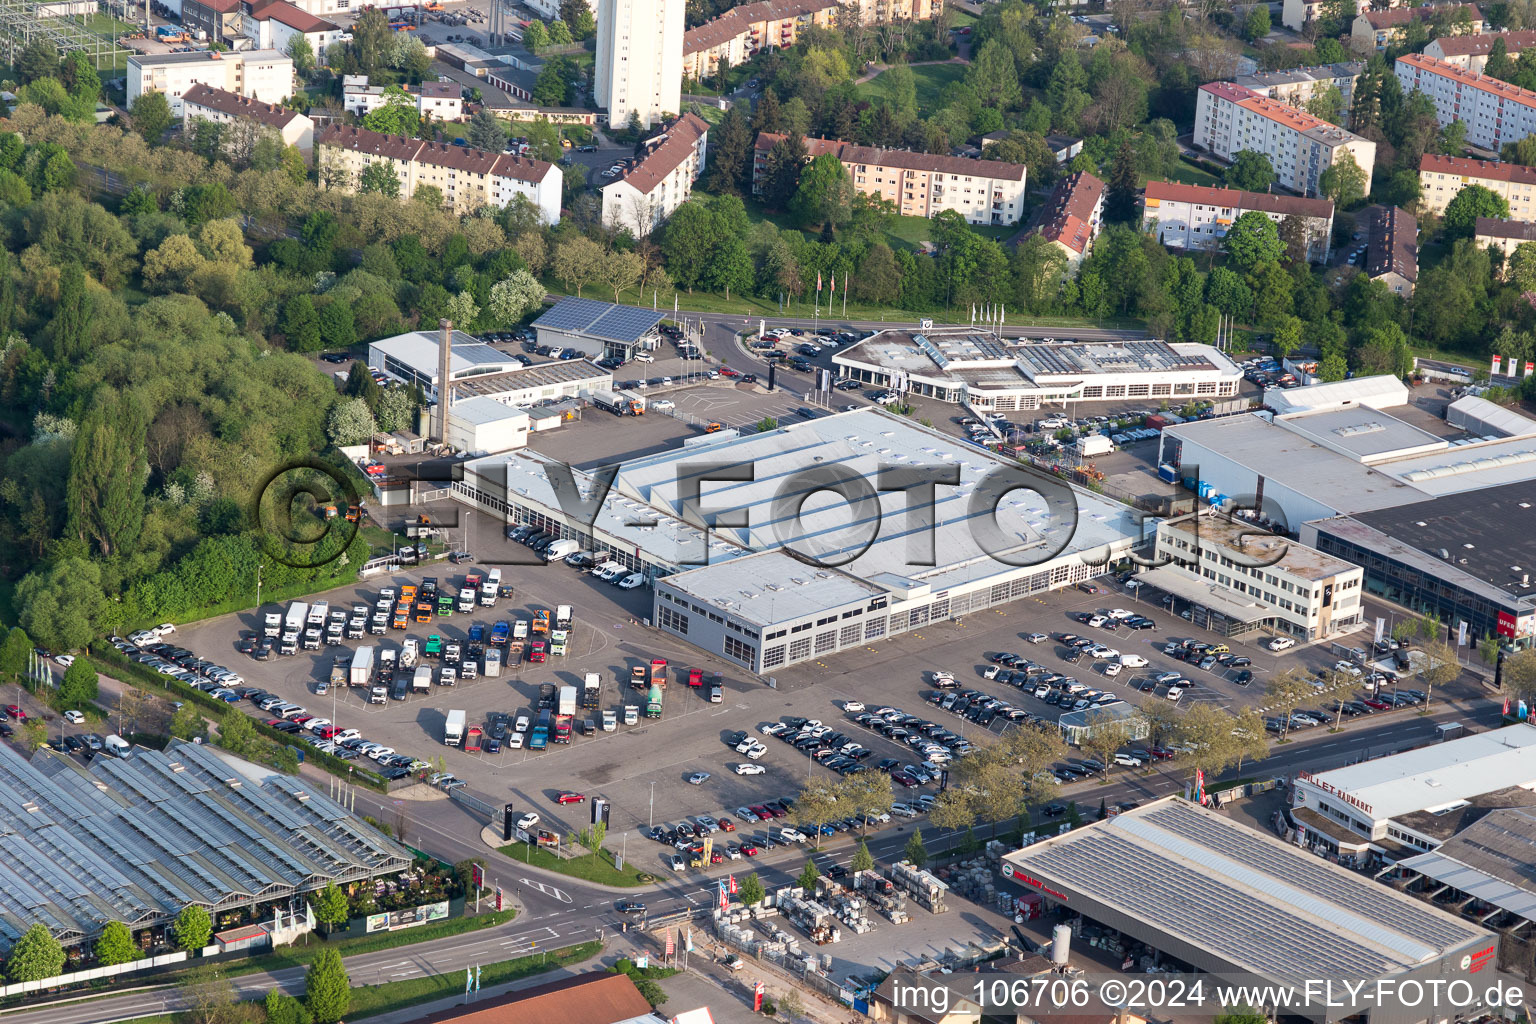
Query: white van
(559,549)
(608,571)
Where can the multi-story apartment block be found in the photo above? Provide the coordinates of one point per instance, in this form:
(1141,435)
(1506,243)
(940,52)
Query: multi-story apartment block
(1470,53)
(920,184)
(1392,252)
(1494,112)
(644,198)
(1073,215)
(1300,147)
(639,59)
(264,75)
(467,178)
(1503,235)
(221,107)
(441,101)
(1441,177)
(884,12)
(743,31)
(1197,217)
(1377,30)
(1299,86)
(274,24)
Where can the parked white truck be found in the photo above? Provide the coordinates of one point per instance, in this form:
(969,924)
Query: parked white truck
(421,682)
(567,700)
(272,624)
(362,667)
(453,729)
(317,614)
(298,613)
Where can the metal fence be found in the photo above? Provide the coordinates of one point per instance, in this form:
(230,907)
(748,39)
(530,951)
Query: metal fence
(464,798)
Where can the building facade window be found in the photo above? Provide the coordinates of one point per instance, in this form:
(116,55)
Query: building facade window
(674,620)
(739,651)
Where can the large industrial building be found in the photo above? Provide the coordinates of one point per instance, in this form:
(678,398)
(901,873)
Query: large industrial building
(862,569)
(1414,801)
(138,839)
(987,372)
(1216,896)
(480,370)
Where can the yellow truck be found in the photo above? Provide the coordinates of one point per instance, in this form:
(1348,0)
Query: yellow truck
(541,622)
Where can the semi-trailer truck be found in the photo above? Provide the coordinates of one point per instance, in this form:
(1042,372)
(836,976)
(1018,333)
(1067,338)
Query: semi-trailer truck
(562,728)
(591,691)
(273,624)
(453,729)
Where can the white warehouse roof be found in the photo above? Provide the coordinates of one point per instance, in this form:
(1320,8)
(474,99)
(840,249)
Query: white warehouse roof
(1381,392)
(1482,417)
(419,350)
(1440,775)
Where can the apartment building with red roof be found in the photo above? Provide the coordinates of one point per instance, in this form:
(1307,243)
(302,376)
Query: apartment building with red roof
(1494,112)
(1197,217)
(1230,119)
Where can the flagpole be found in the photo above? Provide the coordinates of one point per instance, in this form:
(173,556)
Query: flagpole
(845,295)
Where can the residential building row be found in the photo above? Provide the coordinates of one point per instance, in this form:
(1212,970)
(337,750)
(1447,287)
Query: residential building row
(1441,177)
(1470,53)
(202,102)
(1300,86)
(1072,217)
(1503,235)
(1297,15)
(661,181)
(768,24)
(468,178)
(1493,112)
(1197,217)
(264,75)
(440,101)
(639,69)
(920,184)
(275,24)
(1392,249)
(1377,30)
(1230,118)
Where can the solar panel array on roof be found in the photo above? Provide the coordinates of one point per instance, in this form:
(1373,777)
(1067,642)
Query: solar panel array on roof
(572,314)
(1244,897)
(138,839)
(605,320)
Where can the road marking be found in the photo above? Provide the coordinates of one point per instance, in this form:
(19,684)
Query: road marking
(548,890)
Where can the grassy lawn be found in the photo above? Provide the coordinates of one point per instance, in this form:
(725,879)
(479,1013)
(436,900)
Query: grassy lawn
(1189,174)
(930,80)
(598,869)
(299,956)
(368,1000)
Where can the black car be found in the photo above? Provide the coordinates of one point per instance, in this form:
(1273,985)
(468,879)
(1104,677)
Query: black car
(74,744)
(1243,678)
(629,907)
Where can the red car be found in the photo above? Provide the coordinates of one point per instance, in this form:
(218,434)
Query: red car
(537,651)
(14,710)
(1377,703)
(695,677)
(716,857)
(301,719)
(903,779)
(760,811)
(570,798)
(1162,754)
(726,824)
(748,850)
(726,371)
(329,731)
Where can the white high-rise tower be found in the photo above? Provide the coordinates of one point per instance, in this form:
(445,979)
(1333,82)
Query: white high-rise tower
(639,59)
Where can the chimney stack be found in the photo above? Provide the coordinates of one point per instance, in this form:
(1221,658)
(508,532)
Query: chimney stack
(444,392)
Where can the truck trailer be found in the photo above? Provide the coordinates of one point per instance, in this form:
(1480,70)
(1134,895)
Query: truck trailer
(453,729)
(421,679)
(298,613)
(362,667)
(567,700)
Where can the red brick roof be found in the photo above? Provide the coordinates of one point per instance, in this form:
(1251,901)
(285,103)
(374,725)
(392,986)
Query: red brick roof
(1231,198)
(1492,227)
(1228,91)
(1463,77)
(714,32)
(1465,167)
(595,998)
(850,153)
(462,158)
(293,17)
(1479,45)
(239,106)
(682,136)
(1403,15)
(1069,217)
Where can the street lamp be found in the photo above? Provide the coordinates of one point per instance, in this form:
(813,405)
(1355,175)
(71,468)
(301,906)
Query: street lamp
(258,584)
(651,817)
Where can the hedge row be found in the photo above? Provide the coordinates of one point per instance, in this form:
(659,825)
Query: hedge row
(138,675)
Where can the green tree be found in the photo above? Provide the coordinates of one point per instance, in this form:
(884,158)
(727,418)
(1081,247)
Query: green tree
(35,956)
(38,59)
(193,928)
(1518,674)
(863,860)
(515,297)
(379,177)
(915,851)
(486,131)
(535,36)
(553,86)
(559,34)
(994,76)
(151,116)
(187,723)
(579,261)
(1256,25)
(1343,181)
(1328,105)
(14,654)
(302,53)
(282,1008)
(61,606)
(1472,202)
(751,891)
(78,687)
(808,876)
(337,326)
(1437,666)
(327,990)
(781,170)
(1250,171)
(824,197)
(349,422)
(371,39)
(730,153)
(1241,1014)
(330,905)
(301,324)
(1121,190)
(115,945)
(1252,241)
